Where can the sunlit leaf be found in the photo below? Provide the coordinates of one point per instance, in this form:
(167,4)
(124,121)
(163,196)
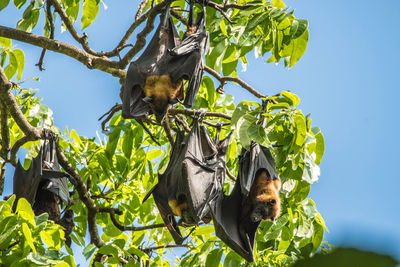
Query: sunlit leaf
(90,10)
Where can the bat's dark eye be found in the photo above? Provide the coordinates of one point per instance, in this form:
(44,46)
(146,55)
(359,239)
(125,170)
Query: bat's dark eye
(272,201)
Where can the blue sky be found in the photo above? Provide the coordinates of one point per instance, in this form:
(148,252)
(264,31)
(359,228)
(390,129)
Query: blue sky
(347,80)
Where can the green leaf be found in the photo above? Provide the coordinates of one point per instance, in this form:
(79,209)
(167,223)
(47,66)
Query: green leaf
(5,42)
(29,19)
(285,241)
(41,218)
(211,94)
(19,3)
(28,236)
(317,236)
(154,153)
(232,260)
(222,26)
(301,129)
(9,227)
(112,142)
(3,4)
(214,258)
(295,100)
(258,134)
(127,143)
(243,125)
(89,250)
(138,252)
(320,145)
(90,10)
(278,4)
(47,238)
(298,28)
(299,47)
(111,230)
(25,211)
(19,56)
(12,67)
(108,250)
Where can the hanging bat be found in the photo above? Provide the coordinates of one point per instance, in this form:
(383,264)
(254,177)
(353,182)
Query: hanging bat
(193,179)
(43,185)
(155,80)
(255,197)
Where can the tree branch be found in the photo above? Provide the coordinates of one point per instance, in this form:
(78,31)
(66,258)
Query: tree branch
(5,133)
(7,98)
(224,79)
(188,112)
(84,196)
(167,128)
(80,39)
(132,228)
(140,9)
(20,142)
(92,62)
(141,37)
(117,107)
(2,176)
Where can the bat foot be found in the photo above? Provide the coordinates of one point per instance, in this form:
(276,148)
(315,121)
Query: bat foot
(147,99)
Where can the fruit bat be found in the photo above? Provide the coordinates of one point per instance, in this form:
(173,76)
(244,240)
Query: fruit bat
(193,179)
(233,224)
(155,79)
(43,173)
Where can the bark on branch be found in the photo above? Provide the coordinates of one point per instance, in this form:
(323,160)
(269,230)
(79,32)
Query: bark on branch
(92,62)
(224,79)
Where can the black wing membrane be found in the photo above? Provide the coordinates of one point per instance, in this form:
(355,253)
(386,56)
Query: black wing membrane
(239,234)
(195,173)
(166,54)
(44,173)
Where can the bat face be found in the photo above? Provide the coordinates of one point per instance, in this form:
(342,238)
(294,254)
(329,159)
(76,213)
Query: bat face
(160,92)
(264,198)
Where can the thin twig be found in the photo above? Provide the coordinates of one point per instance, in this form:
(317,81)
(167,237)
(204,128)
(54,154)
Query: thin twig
(51,22)
(140,121)
(147,250)
(110,113)
(230,175)
(182,121)
(167,128)
(132,228)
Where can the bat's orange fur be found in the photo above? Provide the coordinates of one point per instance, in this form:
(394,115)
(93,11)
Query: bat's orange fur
(162,91)
(263,200)
(176,207)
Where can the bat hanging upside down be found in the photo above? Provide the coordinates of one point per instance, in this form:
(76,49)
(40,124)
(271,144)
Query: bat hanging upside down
(160,92)
(263,202)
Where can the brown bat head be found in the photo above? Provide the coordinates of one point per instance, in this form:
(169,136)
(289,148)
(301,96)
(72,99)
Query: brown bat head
(264,197)
(160,92)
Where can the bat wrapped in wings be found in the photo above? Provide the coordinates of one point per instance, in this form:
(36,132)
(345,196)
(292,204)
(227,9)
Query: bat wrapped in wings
(254,197)
(193,179)
(43,180)
(155,79)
